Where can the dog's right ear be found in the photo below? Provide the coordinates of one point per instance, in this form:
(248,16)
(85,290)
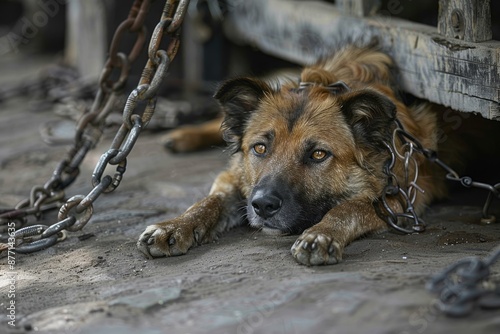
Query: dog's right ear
(239,98)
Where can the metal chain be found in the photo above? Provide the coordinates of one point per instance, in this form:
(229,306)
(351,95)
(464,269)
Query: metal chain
(463,286)
(55,83)
(90,127)
(88,132)
(405,192)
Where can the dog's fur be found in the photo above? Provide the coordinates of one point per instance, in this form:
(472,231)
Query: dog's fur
(307,160)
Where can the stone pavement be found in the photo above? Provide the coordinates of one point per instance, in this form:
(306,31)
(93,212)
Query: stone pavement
(247,282)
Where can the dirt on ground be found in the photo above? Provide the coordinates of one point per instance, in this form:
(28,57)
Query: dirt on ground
(247,282)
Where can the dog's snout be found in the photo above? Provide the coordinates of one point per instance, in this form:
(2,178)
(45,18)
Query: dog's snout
(266,203)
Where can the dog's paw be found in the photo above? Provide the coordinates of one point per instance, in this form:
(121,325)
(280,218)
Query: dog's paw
(183,140)
(315,248)
(167,239)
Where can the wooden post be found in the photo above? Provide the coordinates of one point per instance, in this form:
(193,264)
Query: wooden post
(468,20)
(359,7)
(86,39)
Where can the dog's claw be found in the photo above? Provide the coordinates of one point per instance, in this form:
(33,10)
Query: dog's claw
(150,241)
(144,249)
(171,241)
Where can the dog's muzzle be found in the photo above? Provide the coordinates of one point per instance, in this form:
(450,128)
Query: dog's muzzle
(266,203)
(273,204)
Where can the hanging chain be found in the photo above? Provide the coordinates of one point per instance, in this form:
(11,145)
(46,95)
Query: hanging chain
(463,286)
(405,192)
(77,211)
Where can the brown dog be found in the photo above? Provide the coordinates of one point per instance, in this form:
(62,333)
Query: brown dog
(307,158)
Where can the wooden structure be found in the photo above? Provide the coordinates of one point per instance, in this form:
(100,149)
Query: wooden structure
(86,42)
(455,64)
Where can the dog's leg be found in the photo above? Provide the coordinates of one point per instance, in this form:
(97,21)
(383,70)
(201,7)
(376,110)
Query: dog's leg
(324,242)
(199,224)
(191,138)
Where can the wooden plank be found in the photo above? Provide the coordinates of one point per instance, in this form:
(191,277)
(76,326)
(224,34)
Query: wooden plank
(462,75)
(469,20)
(358,7)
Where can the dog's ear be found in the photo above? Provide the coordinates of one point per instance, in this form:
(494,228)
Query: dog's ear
(338,88)
(371,116)
(239,98)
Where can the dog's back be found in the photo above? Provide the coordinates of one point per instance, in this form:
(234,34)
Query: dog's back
(357,67)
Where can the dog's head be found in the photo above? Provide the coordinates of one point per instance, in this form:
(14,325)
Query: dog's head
(305,150)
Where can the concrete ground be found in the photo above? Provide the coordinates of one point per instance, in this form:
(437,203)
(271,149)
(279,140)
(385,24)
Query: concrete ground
(97,282)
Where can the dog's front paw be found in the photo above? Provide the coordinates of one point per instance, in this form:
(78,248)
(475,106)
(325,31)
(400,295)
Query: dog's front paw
(315,248)
(166,239)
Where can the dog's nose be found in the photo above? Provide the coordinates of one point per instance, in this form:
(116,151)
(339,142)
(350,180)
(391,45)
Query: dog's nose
(266,203)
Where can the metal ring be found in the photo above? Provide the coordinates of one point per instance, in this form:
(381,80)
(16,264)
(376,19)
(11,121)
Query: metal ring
(156,38)
(130,141)
(488,220)
(30,231)
(408,137)
(158,76)
(123,64)
(178,16)
(139,14)
(131,103)
(81,221)
(136,49)
(58,227)
(95,193)
(418,225)
(37,245)
(101,166)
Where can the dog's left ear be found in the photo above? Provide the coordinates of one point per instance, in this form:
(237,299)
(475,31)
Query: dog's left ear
(239,98)
(371,116)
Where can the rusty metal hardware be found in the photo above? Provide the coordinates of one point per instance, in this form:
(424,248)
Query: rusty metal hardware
(405,191)
(90,127)
(464,285)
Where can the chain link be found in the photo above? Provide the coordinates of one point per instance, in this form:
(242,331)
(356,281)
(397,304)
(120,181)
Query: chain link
(405,193)
(90,127)
(463,286)
(55,83)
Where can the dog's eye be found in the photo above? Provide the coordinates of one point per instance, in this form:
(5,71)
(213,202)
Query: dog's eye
(260,149)
(319,155)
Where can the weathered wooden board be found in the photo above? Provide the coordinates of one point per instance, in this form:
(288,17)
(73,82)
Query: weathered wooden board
(462,75)
(358,7)
(469,20)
